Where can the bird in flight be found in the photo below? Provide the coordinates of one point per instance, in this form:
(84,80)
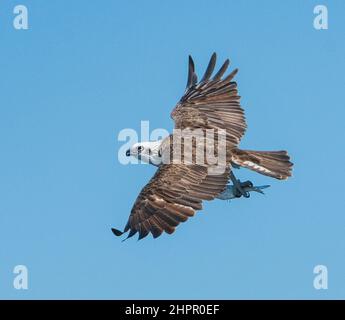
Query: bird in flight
(178,188)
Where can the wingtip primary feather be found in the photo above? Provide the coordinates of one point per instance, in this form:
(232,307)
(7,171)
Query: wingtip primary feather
(222,70)
(193,79)
(210,68)
(191,73)
(117,232)
(230,76)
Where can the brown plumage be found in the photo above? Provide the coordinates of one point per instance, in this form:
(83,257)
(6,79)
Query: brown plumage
(172,196)
(176,191)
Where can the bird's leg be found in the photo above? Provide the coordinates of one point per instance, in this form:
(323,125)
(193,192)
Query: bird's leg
(231,192)
(238,186)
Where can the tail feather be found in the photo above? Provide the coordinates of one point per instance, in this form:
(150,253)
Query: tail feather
(274,164)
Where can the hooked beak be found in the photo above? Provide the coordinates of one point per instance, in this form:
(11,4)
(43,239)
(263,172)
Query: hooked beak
(128,152)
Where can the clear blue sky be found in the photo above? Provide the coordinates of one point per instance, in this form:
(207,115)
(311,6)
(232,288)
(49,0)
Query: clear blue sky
(85,70)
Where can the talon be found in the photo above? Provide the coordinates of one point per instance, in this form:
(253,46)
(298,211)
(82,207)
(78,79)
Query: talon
(246,194)
(247,184)
(241,188)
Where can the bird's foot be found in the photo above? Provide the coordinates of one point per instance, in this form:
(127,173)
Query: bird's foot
(232,191)
(239,186)
(240,189)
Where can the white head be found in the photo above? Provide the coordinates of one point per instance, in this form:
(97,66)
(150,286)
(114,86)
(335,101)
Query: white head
(147,151)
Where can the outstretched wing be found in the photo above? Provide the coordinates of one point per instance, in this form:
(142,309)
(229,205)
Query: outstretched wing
(173,195)
(213,103)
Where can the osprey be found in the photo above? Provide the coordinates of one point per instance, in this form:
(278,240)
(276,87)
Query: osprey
(177,190)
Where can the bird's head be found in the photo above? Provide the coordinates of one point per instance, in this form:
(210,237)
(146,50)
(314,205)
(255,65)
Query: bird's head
(147,151)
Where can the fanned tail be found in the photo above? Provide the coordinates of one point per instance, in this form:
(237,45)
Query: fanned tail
(274,164)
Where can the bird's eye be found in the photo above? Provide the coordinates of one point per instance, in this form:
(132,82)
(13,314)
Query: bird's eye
(140,148)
